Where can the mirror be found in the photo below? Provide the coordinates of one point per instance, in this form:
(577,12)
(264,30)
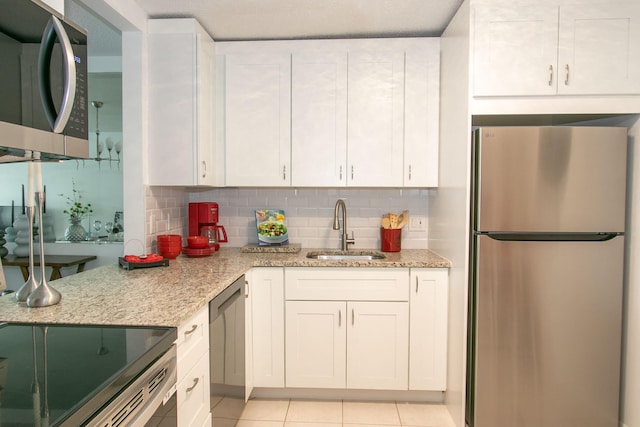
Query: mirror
(98,182)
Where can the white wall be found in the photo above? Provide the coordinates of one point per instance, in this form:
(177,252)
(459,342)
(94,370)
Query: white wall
(448,205)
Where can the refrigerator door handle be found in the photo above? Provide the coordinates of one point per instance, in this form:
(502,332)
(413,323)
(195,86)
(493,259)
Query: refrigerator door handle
(550,237)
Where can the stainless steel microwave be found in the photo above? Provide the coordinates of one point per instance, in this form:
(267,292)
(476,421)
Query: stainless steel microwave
(43,84)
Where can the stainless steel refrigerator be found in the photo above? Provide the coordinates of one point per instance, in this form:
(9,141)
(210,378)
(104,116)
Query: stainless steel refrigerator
(546,287)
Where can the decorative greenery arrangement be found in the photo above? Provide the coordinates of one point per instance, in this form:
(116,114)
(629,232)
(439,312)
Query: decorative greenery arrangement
(76,209)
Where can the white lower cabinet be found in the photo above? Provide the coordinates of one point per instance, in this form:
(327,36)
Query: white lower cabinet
(192,395)
(266,288)
(316,344)
(428,332)
(377,345)
(349,328)
(192,391)
(356,344)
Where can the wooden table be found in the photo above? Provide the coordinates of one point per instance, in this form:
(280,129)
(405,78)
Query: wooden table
(56,262)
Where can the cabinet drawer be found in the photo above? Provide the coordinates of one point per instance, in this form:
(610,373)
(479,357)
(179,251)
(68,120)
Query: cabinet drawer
(193,394)
(193,341)
(340,284)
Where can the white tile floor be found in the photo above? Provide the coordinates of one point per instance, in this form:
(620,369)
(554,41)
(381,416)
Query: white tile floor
(308,413)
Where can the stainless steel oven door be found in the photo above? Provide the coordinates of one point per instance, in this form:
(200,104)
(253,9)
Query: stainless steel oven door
(227,348)
(139,401)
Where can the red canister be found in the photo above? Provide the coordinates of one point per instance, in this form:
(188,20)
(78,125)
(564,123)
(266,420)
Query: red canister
(390,239)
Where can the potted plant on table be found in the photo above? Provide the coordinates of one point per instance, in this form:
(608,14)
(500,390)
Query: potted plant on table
(76,211)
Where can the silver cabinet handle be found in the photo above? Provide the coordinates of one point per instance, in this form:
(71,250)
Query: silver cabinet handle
(339,318)
(57,121)
(353,317)
(352,172)
(416,284)
(340,172)
(550,75)
(566,76)
(204,169)
(409,172)
(192,330)
(195,383)
(284,172)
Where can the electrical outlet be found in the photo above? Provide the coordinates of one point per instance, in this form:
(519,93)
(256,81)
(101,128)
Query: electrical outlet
(418,223)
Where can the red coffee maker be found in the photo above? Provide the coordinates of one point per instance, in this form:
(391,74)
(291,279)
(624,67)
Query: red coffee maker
(203,221)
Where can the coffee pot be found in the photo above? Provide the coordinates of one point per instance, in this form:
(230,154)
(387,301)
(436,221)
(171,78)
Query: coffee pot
(215,233)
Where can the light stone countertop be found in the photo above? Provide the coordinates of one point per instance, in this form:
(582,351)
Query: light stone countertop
(167,296)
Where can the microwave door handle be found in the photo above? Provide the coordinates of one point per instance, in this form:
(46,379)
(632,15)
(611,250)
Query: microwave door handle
(56,121)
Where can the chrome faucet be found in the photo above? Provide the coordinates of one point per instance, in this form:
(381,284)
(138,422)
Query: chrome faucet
(345,241)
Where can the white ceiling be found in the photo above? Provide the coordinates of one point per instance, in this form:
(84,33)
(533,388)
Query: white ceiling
(281,19)
(288,19)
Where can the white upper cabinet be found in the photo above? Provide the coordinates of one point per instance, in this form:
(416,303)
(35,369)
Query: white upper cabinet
(258,119)
(333,113)
(421,113)
(181,103)
(515,50)
(586,49)
(598,49)
(375,128)
(319,118)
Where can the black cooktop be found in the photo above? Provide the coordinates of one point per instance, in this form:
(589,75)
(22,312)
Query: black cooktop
(60,375)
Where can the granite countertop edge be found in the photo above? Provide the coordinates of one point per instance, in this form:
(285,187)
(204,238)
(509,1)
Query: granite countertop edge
(168,296)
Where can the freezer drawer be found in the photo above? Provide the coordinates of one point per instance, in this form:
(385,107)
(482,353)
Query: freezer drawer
(547,333)
(569,179)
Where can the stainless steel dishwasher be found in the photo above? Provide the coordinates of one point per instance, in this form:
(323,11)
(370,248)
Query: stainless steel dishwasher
(227,348)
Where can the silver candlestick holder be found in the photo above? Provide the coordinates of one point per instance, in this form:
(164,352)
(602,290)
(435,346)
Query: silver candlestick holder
(44,295)
(31,284)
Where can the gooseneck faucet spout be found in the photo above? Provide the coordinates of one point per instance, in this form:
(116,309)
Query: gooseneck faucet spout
(345,241)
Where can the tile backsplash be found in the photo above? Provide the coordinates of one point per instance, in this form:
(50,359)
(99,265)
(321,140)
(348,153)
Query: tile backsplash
(309,213)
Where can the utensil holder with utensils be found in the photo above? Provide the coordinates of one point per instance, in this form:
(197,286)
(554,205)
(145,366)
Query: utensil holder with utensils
(391,231)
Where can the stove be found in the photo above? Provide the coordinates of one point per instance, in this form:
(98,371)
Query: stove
(68,375)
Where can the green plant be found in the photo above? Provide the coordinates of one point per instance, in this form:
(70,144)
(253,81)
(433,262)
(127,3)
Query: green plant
(76,209)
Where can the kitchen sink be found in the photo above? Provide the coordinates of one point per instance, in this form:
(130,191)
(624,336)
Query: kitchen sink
(331,255)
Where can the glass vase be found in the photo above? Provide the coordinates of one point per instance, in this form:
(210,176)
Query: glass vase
(75,232)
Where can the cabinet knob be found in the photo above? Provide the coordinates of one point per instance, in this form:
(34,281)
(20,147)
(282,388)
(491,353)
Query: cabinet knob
(566,75)
(550,75)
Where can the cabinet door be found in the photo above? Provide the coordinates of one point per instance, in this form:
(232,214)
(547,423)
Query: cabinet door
(205,129)
(267,308)
(172,109)
(258,119)
(428,329)
(319,119)
(515,50)
(181,105)
(598,49)
(375,128)
(377,345)
(316,344)
(422,113)
(192,395)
